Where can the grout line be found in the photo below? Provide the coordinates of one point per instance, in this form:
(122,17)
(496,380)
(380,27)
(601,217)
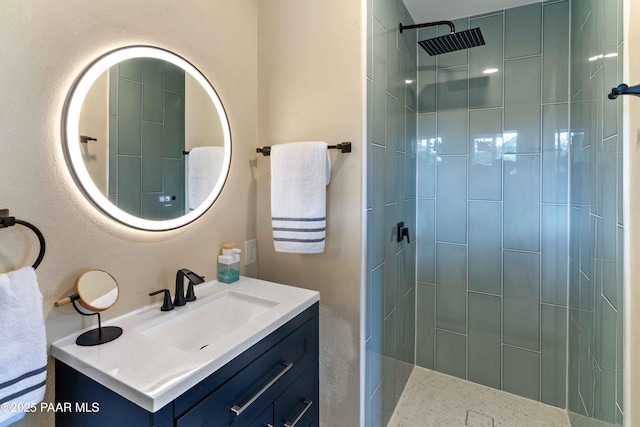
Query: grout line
(484,201)
(521,348)
(540,207)
(515,58)
(502,194)
(544,104)
(608,302)
(521,251)
(450,243)
(561,205)
(435,223)
(483,108)
(485,15)
(450,331)
(452,67)
(466,206)
(484,293)
(550,304)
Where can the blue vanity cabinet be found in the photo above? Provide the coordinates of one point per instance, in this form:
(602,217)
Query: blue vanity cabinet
(275,382)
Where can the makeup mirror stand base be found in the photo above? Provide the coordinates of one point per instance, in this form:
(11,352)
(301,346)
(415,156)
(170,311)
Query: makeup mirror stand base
(98,336)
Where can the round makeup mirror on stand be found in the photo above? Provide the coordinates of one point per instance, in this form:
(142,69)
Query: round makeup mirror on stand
(96,291)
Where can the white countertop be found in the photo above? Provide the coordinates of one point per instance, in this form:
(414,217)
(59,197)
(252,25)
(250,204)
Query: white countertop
(152,374)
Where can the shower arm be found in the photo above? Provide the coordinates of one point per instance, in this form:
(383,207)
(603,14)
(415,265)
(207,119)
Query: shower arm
(428,24)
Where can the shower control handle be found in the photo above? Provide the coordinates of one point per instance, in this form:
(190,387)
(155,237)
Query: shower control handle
(403,232)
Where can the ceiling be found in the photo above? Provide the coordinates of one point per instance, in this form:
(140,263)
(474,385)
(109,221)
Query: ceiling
(437,10)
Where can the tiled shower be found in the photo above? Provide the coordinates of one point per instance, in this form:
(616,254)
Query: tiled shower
(518,201)
(492,213)
(146,116)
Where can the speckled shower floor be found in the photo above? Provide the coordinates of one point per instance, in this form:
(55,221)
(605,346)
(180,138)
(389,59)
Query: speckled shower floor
(432,399)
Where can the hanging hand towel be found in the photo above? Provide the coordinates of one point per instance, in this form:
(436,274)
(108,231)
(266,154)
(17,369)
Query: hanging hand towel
(204,167)
(23,342)
(300,173)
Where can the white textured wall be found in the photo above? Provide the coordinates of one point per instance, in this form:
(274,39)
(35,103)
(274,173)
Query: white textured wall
(310,84)
(43,46)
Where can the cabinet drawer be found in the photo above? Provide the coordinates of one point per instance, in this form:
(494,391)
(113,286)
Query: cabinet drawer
(265,419)
(247,394)
(298,406)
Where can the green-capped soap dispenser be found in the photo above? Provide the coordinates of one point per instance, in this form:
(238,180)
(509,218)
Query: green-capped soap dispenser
(229,263)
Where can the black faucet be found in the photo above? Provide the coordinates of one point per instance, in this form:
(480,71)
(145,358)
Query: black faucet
(194,279)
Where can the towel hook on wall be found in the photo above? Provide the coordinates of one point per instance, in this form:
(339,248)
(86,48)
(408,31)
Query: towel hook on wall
(9,221)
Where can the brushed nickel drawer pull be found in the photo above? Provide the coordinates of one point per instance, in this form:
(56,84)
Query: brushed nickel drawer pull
(304,411)
(240,409)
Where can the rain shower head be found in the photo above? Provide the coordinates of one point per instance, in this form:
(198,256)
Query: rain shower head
(450,42)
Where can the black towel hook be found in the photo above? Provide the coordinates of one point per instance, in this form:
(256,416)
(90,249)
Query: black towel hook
(9,221)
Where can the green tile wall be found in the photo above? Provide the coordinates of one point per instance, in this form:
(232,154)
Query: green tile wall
(521,370)
(485,159)
(596,229)
(393,95)
(553,354)
(523,27)
(146,138)
(485,90)
(485,248)
(493,205)
(484,339)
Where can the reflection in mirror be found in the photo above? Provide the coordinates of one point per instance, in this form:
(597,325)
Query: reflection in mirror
(159,143)
(97,290)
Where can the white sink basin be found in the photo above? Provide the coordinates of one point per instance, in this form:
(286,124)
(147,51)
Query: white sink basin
(195,327)
(162,354)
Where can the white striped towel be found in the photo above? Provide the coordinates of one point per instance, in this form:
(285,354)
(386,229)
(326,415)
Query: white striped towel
(23,342)
(300,173)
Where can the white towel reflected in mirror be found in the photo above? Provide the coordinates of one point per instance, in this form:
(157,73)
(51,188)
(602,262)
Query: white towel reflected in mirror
(203,171)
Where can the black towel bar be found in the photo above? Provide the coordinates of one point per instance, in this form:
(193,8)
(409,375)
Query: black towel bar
(344,147)
(9,221)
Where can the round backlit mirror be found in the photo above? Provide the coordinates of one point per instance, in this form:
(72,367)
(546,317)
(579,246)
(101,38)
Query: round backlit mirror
(147,138)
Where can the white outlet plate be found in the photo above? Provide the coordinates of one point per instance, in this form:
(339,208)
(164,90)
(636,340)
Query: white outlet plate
(250,252)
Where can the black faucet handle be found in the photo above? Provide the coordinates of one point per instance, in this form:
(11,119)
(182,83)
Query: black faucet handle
(166,303)
(403,232)
(191,295)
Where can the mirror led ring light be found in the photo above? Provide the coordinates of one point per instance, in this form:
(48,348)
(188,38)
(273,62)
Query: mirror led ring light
(71,135)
